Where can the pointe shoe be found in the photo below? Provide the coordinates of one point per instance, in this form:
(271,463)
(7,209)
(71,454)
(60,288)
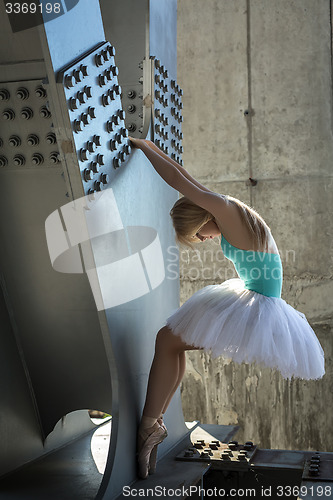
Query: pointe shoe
(148,443)
(153,455)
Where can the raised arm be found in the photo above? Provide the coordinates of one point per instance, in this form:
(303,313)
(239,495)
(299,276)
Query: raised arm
(170,172)
(179,167)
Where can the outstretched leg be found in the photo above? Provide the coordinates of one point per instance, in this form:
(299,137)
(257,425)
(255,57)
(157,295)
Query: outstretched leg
(182,366)
(166,372)
(165,375)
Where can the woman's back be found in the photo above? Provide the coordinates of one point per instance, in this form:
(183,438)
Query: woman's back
(239,235)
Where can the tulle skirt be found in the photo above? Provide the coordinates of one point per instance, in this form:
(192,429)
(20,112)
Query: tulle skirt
(245,326)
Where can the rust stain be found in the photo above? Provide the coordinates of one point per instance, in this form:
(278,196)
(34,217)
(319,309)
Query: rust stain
(67,147)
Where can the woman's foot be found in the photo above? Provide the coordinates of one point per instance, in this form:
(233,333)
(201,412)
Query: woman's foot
(148,439)
(153,455)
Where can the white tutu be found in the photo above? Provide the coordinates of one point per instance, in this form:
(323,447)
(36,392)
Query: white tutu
(231,321)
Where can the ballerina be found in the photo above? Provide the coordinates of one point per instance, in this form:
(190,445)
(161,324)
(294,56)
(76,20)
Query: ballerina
(243,319)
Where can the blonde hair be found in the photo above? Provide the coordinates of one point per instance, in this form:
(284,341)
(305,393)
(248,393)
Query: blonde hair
(188,218)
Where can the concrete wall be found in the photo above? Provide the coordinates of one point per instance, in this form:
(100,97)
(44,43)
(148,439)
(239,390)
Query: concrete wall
(258,103)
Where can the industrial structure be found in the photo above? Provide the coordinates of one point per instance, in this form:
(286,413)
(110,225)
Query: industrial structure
(84,230)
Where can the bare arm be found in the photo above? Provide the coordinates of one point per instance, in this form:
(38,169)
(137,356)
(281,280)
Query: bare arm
(171,174)
(179,167)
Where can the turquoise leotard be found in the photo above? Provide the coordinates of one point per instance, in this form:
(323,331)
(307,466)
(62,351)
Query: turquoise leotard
(260,271)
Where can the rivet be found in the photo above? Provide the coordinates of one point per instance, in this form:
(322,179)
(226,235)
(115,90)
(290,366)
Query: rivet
(102,80)
(111,50)
(4,95)
(106,55)
(78,75)
(26,113)
(44,112)
(98,185)
(112,94)
(87,174)
(73,103)
(104,178)
(69,81)
(109,74)
(91,146)
(51,138)
(114,70)
(173,84)
(88,91)
(124,132)
(119,138)
(54,157)
(82,97)
(94,166)
(86,118)
(14,140)
(99,59)
(141,80)
(83,154)
(78,126)
(127,149)
(116,119)
(157,63)
(100,159)
(8,114)
(3,161)
(92,112)
(109,126)
(19,160)
(40,92)
(117,89)
(37,159)
(121,114)
(84,69)
(97,139)
(22,93)
(106,99)
(116,162)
